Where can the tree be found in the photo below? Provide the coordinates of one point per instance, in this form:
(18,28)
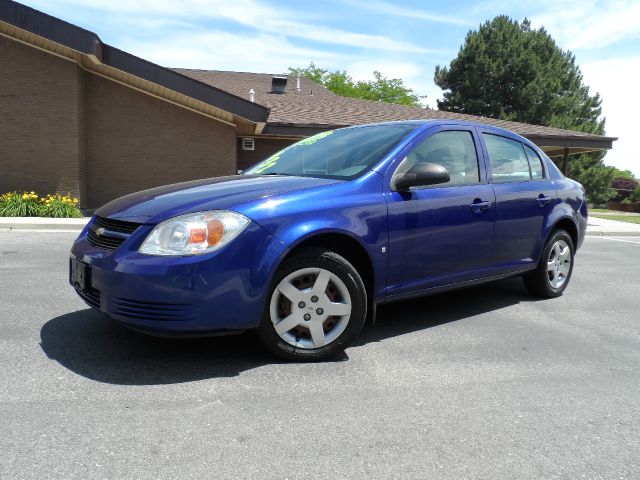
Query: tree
(380,89)
(628,174)
(624,187)
(508,70)
(594,176)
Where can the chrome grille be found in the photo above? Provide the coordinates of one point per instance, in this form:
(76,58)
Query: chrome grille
(108,233)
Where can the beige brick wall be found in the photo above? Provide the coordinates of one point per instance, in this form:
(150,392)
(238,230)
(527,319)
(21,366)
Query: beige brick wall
(40,129)
(135,141)
(66,130)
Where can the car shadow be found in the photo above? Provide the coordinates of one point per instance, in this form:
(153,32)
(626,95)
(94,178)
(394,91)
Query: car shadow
(94,346)
(399,318)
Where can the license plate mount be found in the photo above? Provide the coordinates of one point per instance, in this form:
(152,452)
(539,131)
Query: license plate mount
(79,274)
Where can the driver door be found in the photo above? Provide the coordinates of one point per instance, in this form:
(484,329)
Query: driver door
(440,234)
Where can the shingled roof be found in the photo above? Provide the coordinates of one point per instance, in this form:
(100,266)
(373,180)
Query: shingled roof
(315,109)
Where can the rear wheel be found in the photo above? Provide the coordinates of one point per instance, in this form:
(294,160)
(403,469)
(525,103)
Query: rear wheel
(316,308)
(552,275)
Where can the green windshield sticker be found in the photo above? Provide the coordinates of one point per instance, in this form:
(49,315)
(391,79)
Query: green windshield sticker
(268,163)
(272,160)
(315,138)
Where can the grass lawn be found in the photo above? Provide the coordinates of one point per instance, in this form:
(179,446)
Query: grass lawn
(615,215)
(611,212)
(621,218)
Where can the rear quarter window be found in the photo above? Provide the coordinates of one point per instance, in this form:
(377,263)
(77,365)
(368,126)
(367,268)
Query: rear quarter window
(508,161)
(537,170)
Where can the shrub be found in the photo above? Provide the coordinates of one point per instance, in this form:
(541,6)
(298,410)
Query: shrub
(24,204)
(624,187)
(60,206)
(30,204)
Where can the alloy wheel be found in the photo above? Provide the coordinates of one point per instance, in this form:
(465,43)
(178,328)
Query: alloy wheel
(559,264)
(310,308)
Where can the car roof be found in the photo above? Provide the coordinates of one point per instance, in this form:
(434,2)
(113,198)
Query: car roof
(439,122)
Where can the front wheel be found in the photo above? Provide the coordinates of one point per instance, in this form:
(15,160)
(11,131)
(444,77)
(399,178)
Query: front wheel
(316,308)
(552,275)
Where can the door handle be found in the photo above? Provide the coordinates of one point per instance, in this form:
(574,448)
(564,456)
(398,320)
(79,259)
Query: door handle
(479,206)
(542,200)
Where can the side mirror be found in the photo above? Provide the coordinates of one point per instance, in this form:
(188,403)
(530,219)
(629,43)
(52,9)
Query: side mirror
(421,174)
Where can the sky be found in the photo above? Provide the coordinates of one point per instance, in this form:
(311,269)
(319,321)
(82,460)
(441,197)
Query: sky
(401,39)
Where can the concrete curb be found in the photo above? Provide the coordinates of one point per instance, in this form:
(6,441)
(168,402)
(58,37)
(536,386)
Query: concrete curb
(603,227)
(47,224)
(602,233)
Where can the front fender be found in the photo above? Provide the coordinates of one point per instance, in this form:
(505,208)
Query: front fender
(357,211)
(371,236)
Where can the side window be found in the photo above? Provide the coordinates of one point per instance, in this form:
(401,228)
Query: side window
(454,150)
(508,160)
(537,170)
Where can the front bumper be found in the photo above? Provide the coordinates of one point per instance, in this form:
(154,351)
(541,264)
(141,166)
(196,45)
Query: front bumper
(218,292)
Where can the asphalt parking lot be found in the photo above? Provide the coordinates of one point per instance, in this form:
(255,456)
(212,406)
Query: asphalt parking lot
(480,383)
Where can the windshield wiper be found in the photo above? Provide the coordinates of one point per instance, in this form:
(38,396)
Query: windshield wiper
(277,173)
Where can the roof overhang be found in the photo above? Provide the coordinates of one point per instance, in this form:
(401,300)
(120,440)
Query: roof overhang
(555,146)
(39,30)
(297,130)
(552,145)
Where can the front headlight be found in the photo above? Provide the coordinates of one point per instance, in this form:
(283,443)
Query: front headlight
(195,233)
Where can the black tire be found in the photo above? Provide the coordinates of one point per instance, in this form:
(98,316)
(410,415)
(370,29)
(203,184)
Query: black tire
(540,282)
(337,265)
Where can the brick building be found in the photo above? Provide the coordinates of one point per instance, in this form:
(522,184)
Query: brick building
(80,116)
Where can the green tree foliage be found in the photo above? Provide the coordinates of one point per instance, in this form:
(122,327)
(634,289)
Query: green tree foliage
(389,90)
(507,70)
(510,71)
(628,174)
(594,176)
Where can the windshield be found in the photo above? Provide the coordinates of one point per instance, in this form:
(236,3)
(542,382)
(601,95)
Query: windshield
(343,154)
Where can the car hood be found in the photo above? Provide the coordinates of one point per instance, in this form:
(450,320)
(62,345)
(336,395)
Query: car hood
(157,204)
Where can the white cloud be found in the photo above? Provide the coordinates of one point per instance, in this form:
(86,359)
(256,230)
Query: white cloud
(219,50)
(590,24)
(396,10)
(252,14)
(616,81)
(574,24)
(342,37)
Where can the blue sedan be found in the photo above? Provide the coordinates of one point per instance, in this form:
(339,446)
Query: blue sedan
(304,245)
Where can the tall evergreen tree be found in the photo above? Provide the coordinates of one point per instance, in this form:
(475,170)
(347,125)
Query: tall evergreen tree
(510,71)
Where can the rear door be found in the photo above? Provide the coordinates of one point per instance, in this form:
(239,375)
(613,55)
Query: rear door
(440,234)
(524,197)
